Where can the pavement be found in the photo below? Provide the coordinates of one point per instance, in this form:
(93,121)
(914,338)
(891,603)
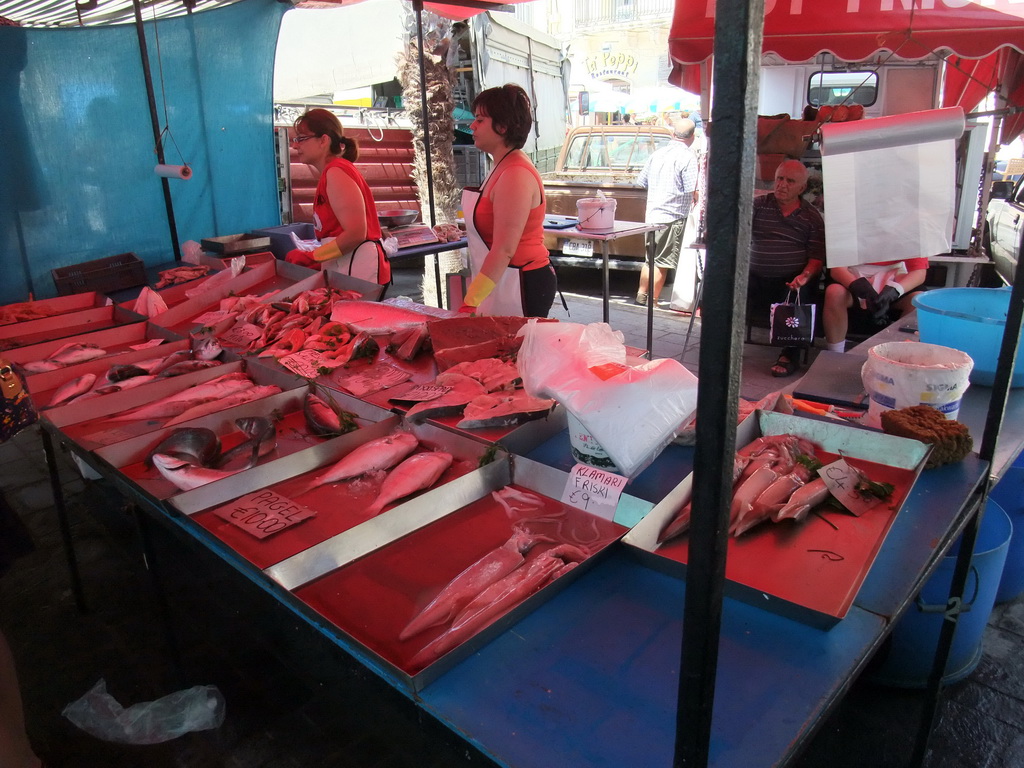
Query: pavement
(294,700)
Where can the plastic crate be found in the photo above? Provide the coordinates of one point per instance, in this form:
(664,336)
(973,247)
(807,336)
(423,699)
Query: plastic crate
(125,270)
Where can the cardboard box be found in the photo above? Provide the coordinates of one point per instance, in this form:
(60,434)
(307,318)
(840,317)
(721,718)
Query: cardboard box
(811,570)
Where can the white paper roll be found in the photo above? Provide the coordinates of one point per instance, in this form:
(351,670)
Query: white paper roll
(893,131)
(173,171)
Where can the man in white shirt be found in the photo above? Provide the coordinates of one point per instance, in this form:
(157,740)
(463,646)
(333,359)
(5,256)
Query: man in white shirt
(670,176)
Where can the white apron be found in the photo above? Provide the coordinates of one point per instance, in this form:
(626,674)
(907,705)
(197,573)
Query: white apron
(506,298)
(362,263)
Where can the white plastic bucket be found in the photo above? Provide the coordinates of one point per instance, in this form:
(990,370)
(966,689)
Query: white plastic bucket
(901,374)
(596,212)
(585,449)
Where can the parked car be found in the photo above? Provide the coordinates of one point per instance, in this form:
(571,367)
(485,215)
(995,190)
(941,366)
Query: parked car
(1005,226)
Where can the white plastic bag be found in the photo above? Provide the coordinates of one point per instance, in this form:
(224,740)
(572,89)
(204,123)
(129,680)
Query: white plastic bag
(632,408)
(191,252)
(304,245)
(199,708)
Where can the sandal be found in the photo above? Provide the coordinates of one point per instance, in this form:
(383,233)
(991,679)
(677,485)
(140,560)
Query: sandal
(787,365)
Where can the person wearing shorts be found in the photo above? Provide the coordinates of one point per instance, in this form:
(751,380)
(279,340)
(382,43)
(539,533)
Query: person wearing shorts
(670,176)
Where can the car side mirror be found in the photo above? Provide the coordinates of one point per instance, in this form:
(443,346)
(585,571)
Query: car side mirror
(1001,190)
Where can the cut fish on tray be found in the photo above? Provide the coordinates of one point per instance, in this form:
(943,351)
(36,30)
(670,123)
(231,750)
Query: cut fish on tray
(504,409)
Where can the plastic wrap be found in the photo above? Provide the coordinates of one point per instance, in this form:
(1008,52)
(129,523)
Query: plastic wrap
(632,410)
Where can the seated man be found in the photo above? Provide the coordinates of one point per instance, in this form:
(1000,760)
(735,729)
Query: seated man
(787,251)
(878,292)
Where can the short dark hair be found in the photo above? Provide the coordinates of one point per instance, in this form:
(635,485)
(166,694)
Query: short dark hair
(321,122)
(508,106)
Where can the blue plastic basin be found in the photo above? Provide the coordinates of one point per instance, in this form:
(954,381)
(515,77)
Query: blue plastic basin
(971,320)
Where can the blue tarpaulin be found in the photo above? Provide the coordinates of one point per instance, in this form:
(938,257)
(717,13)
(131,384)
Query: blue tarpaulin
(77,150)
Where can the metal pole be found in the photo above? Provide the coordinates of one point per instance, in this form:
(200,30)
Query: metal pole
(738,30)
(155,120)
(418,6)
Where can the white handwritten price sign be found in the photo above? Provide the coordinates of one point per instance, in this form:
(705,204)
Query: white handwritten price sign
(417,393)
(241,334)
(306,363)
(593,490)
(263,513)
(148,344)
(842,480)
(372,379)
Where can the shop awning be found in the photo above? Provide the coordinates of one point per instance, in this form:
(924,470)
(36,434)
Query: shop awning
(982,39)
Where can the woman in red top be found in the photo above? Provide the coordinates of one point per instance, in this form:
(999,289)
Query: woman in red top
(344,215)
(512,272)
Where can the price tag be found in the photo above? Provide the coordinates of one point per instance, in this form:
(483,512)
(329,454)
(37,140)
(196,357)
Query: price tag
(371,379)
(148,344)
(263,513)
(306,363)
(842,480)
(417,393)
(241,334)
(578,247)
(593,490)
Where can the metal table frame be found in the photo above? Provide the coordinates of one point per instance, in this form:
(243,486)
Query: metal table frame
(619,229)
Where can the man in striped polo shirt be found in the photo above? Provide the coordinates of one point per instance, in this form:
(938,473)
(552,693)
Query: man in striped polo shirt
(787,251)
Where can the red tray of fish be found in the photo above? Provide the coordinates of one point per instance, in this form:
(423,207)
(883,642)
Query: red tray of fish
(809,569)
(226,454)
(339,505)
(447,587)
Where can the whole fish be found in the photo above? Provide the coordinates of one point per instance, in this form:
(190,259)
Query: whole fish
(69,390)
(382,453)
(184,475)
(166,362)
(172,405)
(455,595)
(186,366)
(246,395)
(121,372)
(69,354)
(416,473)
(206,347)
(803,500)
(261,439)
(322,419)
(196,445)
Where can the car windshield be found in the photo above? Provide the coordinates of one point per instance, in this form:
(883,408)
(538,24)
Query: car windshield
(612,151)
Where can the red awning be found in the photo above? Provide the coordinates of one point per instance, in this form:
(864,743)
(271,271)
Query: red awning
(855,30)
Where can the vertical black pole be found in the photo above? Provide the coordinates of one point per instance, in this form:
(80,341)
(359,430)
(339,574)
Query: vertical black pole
(155,120)
(738,31)
(418,7)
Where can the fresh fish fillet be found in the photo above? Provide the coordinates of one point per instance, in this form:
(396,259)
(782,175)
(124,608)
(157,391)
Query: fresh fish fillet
(504,410)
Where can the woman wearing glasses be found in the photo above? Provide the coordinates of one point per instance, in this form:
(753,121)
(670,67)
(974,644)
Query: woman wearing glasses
(344,215)
(512,273)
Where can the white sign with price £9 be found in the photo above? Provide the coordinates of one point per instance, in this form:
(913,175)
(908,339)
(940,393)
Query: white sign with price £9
(593,490)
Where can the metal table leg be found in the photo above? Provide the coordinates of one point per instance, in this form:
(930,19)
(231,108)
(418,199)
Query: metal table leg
(437,279)
(62,519)
(651,298)
(698,294)
(605,287)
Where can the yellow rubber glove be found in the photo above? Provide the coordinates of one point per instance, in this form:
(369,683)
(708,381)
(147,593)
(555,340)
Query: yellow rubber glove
(327,251)
(478,290)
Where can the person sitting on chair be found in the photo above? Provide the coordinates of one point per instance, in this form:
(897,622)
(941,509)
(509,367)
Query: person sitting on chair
(787,251)
(878,293)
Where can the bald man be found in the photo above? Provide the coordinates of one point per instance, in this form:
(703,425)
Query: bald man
(670,175)
(787,251)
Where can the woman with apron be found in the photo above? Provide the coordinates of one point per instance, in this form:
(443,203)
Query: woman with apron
(512,272)
(344,215)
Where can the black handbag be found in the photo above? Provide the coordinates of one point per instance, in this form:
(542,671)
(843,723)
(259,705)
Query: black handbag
(16,408)
(791,323)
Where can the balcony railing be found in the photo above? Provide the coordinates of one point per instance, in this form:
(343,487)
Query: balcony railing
(598,13)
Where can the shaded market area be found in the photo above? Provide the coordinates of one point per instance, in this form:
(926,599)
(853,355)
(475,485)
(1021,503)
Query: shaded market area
(380,518)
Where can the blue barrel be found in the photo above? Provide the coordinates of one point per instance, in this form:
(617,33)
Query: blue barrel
(1009,494)
(907,661)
